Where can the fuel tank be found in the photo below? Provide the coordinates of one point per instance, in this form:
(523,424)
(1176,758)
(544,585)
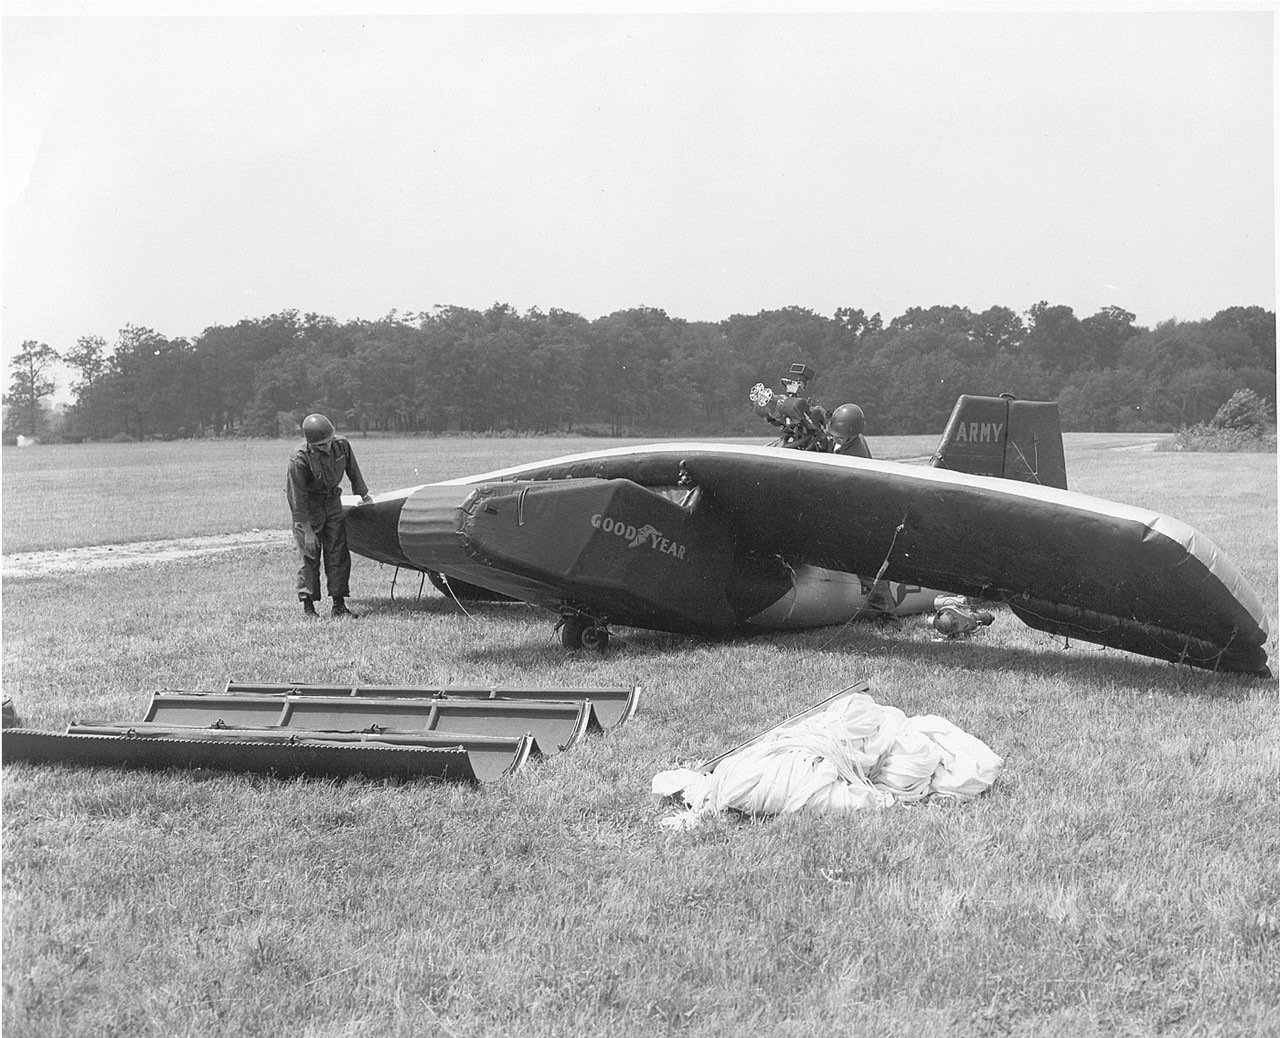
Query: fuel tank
(820,597)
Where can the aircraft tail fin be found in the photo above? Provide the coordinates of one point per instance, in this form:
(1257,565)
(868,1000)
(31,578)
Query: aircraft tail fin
(1004,437)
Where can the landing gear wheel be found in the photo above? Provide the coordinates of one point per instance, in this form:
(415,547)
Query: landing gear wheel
(582,632)
(594,637)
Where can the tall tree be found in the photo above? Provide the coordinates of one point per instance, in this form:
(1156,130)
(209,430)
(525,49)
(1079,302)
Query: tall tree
(1000,329)
(135,348)
(1255,322)
(232,357)
(284,385)
(945,319)
(1056,339)
(1105,334)
(629,348)
(31,382)
(89,357)
(856,322)
(1103,401)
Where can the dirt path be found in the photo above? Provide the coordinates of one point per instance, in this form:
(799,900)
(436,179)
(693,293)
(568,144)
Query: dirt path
(140,553)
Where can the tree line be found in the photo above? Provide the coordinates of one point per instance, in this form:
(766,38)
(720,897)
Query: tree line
(639,371)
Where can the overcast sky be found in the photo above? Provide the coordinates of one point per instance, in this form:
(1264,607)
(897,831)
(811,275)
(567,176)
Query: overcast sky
(175,171)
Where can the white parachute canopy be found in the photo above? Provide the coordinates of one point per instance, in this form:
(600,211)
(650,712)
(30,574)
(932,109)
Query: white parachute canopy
(852,755)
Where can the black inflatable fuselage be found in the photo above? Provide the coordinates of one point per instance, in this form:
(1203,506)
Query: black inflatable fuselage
(1101,572)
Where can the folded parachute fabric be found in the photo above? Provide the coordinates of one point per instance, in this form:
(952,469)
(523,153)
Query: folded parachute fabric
(854,754)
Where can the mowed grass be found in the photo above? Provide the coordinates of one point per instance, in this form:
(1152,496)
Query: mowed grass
(1120,878)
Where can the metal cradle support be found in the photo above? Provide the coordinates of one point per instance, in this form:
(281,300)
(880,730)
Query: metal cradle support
(468,733)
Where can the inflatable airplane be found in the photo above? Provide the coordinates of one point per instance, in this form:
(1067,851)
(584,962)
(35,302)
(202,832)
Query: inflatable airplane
(713,539)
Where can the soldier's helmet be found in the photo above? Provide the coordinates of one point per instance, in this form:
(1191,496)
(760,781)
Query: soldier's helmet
(847,422)
(317,428)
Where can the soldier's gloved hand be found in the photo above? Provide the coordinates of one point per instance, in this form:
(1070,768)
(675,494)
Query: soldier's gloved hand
(310,542)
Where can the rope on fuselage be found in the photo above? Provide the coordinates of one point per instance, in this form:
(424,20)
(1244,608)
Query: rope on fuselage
(861,610)
(444,579)
(1033,470)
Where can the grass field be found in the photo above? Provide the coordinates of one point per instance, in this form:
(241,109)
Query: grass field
(1121,878)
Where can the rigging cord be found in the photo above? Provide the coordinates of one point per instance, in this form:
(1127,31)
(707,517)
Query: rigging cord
(1184,648)
(874,584)
(456,601)
(1033,470)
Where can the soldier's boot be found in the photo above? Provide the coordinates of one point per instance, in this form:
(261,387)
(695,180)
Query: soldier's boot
(308,605)
(340,609)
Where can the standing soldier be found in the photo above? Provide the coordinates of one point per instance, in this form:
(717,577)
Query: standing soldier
(314,488)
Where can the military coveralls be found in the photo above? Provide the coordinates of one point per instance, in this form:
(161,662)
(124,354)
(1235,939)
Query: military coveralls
(857,447)
(314,488)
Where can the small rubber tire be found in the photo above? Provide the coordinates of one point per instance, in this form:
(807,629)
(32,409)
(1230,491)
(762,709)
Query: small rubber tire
(581,632)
